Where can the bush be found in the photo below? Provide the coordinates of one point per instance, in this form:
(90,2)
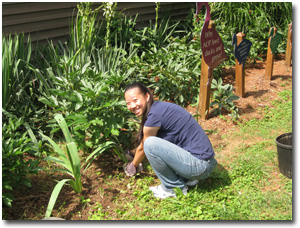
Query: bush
(175,71)
(223,98)
(254,19)
(16,165)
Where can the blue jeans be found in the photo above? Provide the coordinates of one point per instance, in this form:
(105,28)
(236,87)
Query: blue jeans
(174,165)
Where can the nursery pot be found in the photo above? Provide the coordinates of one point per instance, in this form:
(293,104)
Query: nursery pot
(284,152)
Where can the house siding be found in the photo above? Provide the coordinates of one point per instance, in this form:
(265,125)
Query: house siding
(51,20)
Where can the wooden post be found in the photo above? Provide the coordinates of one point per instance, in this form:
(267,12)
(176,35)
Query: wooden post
(288,53)
(270,58)
(205,85)
(239,71)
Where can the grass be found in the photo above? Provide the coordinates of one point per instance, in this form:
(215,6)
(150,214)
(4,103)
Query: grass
(245,187)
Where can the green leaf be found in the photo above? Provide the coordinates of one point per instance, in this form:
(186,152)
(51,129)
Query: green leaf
(97,121)
(63,125)
(78,106)
(78,96)
(7,187)
(7,199)
(59,161)
(220,82)
(212,104)
(54,196)
(101,148)
(115,132)
(74,157)
(214,84)
(181,98)
(234,97)
(85,67)
(58,92)
(27,183)
(50,102)
(66,163)
(225,87)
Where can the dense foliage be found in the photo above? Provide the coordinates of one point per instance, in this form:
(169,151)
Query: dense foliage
(84,78)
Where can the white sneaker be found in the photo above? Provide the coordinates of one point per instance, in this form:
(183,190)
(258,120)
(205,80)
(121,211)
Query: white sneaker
(159,192)
(192,183)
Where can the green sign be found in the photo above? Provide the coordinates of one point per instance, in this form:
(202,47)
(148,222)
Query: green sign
(275,40)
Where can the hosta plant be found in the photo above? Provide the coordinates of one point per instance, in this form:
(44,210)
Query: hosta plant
(223,98)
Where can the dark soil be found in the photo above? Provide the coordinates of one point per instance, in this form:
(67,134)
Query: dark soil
(105,180)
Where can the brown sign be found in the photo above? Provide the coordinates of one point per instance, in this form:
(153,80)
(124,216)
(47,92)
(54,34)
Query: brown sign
(211,43)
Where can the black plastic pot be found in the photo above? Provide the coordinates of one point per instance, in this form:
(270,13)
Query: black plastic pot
(284,152)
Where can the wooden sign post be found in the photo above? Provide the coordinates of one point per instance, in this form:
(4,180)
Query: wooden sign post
(205,85)
(241,52)
(213,54)
(288,53)
(270,57)
(239,71)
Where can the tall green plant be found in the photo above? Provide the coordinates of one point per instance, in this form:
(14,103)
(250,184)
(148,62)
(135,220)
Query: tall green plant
(109,11)
(157,14)
(156,36)
(85,30)
(70,162)
(65,59)
(91,96)
(84,81)
(245,16)
(16,77)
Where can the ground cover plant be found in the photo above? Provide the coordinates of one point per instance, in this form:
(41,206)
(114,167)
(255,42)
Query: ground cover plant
(83,80)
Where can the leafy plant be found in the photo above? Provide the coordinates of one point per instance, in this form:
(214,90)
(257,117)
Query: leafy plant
(17,93)
(223,98)
(16,166)
(234,17)
(85,83)
(173,71)
(155,36)
(70,161)
(92,100)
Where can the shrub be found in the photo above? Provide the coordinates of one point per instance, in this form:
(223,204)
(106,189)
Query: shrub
(223,98)
(16,165)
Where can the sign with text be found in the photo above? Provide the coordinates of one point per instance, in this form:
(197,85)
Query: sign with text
(242,50)
(275,40)
(211,43)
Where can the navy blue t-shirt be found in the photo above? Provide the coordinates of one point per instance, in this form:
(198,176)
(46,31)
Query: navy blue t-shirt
(179,127)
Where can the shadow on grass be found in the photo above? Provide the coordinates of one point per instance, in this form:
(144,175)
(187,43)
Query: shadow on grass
(218,179)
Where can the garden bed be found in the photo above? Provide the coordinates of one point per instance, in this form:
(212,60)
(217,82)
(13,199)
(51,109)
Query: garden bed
(106,187)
